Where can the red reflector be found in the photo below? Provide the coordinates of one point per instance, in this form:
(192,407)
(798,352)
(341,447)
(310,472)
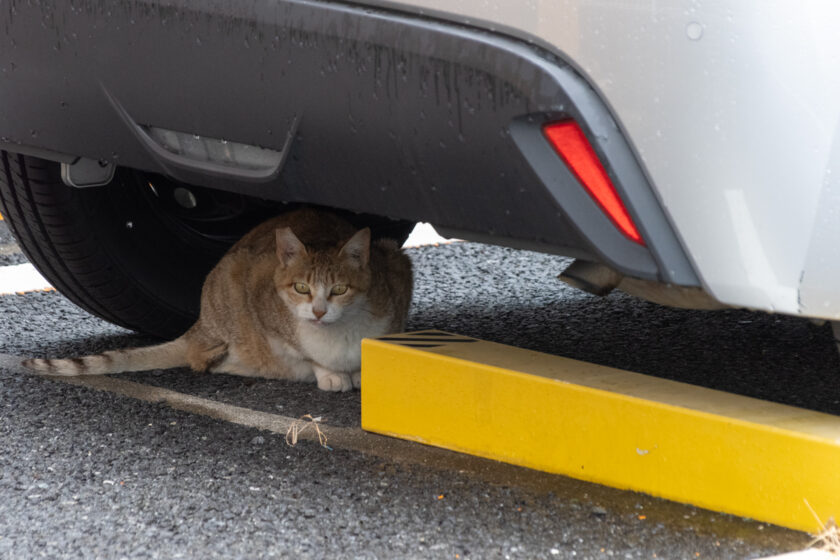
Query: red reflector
(569,141)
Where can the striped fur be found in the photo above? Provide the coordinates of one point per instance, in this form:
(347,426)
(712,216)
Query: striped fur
(162,356)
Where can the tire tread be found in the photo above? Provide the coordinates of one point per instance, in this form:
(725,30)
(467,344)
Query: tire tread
(48,220)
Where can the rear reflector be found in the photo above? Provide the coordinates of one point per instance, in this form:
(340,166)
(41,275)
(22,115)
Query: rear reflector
(568,139)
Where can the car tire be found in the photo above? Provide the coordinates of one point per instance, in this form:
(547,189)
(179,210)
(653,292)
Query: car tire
(104,248)
(127,252)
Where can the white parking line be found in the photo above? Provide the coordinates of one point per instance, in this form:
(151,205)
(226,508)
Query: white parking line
(352,439)
(425,234)
(18,278)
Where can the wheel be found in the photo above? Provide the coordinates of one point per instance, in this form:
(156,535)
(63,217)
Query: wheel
(134,252)
(127,252)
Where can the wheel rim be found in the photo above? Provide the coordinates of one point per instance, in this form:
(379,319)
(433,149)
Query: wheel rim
(213,218)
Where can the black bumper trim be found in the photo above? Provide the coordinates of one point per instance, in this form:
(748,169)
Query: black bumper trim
(396,115)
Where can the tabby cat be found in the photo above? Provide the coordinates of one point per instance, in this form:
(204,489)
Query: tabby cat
(291,300)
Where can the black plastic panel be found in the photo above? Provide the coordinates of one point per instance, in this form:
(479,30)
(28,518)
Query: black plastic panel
(394,115)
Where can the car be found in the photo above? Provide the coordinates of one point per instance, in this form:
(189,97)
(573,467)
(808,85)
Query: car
(686,152)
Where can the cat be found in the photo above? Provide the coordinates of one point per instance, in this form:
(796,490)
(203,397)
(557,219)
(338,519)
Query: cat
(292,300)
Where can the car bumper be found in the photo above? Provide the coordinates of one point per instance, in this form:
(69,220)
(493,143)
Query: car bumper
(734,112)
(368,110)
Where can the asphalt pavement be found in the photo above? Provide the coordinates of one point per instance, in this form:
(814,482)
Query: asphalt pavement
(86,473)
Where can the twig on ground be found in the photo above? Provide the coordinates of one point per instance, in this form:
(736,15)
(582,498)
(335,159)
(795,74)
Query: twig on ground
(828,539)
(301,425)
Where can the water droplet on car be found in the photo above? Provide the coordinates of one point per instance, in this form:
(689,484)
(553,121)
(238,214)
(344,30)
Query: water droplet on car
(694,31)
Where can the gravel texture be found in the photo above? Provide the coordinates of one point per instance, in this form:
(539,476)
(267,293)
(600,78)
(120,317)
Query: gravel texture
(85,474)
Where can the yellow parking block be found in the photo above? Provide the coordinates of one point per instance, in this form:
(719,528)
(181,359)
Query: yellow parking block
(716,450)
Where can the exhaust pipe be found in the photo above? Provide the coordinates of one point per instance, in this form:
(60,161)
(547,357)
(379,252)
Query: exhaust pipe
(600,280)
(594,278)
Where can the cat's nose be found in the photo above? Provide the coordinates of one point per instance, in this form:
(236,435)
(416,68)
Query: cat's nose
(319,312)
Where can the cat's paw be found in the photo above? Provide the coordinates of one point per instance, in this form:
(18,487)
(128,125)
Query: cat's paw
(356,378)
(332,381)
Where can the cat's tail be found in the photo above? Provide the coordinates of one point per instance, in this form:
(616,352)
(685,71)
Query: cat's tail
(162,356)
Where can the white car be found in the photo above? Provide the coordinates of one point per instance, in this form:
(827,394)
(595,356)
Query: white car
(685,151)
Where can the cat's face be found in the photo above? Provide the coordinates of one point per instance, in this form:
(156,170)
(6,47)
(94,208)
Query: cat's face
(321,287)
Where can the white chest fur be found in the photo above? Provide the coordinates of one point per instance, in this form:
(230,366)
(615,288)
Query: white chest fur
(338,346)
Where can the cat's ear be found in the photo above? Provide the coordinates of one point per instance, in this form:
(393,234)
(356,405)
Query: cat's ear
(289,246)
(357,249)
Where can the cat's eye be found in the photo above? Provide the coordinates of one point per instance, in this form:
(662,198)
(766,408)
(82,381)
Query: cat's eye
(301,288)
(338,290)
